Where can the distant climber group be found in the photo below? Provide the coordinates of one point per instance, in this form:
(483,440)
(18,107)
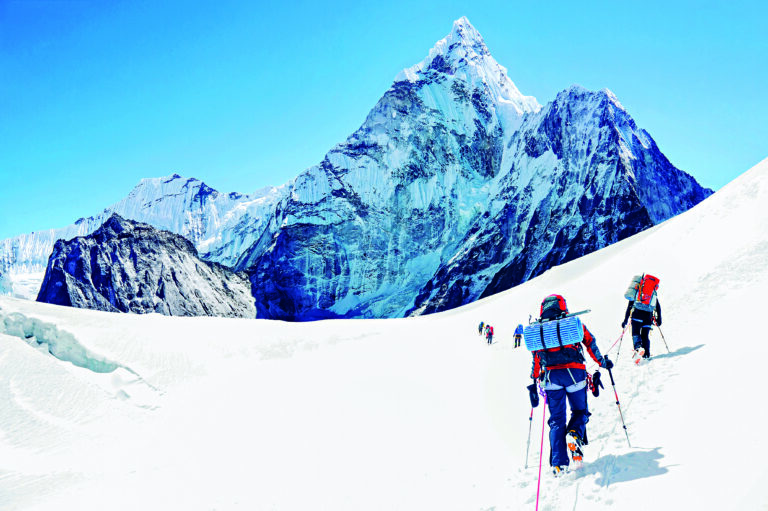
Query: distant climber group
(488,329)
(557,341)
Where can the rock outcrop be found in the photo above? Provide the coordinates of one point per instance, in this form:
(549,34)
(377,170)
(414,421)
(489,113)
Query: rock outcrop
(126,266)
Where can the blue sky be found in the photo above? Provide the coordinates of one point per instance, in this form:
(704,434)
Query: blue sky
(96,95)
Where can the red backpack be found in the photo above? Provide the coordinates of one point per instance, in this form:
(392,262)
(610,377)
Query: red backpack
(646,293)
(553,307)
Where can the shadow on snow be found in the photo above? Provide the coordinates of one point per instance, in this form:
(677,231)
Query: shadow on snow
(678,352)
(626,467)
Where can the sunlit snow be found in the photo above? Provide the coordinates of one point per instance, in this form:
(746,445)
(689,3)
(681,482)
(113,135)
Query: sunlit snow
(211,413)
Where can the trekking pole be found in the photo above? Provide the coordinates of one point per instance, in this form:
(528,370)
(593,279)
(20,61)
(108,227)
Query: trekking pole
(619,349)
(610,373)
(617,341)
(528,445)
(541,448)
(662,336)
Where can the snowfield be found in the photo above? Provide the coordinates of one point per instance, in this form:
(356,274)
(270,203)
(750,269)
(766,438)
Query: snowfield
(153,412)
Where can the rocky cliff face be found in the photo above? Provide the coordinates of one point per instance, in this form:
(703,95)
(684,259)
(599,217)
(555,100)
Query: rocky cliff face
(361,233)
(126,266)
(457,186)
(576,177)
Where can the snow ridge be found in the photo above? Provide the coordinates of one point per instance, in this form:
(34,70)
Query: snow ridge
(49,338)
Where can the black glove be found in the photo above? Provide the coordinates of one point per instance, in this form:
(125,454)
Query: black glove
(596,384)
(624,324)
(607,363)
(533,394)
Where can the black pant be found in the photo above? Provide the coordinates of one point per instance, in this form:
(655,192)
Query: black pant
(640,331)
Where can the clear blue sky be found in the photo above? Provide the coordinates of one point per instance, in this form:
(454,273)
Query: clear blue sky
(95,95)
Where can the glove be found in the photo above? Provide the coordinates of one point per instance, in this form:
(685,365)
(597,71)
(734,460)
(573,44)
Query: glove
(623,325)
(596,384)
(607,363)
(533,395)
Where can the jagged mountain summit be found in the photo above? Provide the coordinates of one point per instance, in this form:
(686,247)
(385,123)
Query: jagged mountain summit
(456,186)
(360,233)
(464,55)
(126,266)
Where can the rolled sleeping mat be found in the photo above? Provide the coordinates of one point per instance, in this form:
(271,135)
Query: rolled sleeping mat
(553,334)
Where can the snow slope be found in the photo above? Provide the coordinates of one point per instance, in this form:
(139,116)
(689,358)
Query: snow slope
(417,413)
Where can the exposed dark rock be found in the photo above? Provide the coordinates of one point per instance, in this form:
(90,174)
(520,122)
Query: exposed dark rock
(126,266)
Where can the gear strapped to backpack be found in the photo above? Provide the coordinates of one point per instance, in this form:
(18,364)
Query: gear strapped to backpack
(553,333)
(642,290)
(556,334)
(555,354)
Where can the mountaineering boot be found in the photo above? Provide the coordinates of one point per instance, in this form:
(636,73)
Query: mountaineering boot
(637,355)
(574,444)
(560,470)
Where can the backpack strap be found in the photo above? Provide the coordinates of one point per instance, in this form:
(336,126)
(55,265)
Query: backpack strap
(559,339)
(541,335)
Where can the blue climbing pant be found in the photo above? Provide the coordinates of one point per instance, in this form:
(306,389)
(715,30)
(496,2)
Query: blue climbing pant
(562,384)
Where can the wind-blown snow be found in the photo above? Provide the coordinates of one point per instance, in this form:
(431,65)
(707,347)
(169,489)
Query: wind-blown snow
(414,413)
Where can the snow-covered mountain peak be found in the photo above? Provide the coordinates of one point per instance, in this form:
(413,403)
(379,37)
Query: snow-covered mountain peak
(170,185)
(116,224)
(466,35)
(580,93)
(463,54)
(612,98)
(578,104)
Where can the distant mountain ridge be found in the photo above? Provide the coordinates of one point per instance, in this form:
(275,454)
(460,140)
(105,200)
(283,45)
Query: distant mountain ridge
(455,187)
(127,266)
(210,219)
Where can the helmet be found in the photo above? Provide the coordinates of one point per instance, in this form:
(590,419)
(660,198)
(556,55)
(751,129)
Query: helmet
(553,307)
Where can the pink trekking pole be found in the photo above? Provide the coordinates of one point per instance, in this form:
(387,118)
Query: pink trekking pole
(541,448)
(617,341)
